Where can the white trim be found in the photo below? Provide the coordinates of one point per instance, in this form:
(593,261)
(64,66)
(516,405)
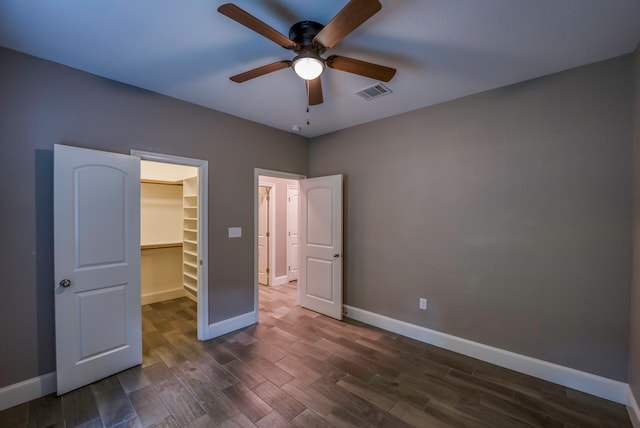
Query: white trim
(160,296)
(281,280)
(232,324)
(632,408)
(257,172)
(27,390)
(203,229)
(582,381)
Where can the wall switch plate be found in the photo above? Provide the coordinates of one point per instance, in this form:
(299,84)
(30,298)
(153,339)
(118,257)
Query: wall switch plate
(235,232)
(423,304)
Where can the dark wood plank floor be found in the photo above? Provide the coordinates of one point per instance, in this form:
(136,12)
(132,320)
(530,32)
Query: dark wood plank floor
(296,368)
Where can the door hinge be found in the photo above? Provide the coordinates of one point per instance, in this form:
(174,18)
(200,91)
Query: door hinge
(267,235)
(267,270)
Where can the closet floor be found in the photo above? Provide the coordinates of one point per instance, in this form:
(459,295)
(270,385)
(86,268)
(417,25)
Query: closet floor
(297,368)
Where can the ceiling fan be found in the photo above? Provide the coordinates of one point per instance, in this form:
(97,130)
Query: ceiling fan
(309,40)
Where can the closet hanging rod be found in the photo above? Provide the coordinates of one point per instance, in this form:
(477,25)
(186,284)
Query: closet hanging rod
(157,246)
(168,183)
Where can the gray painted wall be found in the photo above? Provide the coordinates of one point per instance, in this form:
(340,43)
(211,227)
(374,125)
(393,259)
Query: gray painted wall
(42,103)
(634,338)
(510,210)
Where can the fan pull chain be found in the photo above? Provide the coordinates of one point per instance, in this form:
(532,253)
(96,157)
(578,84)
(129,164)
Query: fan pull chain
(308,92)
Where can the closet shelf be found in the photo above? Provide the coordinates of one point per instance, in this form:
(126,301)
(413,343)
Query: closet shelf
(190,287)
(195,277)
(164,182)
(158,246)
(189,236)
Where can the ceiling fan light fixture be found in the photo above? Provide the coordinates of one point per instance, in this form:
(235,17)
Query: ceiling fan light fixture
(308,66)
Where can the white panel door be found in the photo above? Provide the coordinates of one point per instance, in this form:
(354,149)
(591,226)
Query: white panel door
(320,281)
(293,248)
(263,235)
(97,265)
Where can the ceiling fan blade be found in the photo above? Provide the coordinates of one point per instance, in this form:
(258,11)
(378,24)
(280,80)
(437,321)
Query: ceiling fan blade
(353,15)
(362,68)
(251,22)
(314,91)
(260,71)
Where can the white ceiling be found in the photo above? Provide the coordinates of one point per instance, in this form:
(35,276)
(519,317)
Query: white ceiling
(442,49)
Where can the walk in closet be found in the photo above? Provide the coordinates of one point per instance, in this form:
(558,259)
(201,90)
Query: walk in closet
(169,232)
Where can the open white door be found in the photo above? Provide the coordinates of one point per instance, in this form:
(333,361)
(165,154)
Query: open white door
(320,281)
(263,235)
(97,264)
(293,249)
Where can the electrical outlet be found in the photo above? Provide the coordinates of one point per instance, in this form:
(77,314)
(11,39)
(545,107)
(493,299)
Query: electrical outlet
(423,304)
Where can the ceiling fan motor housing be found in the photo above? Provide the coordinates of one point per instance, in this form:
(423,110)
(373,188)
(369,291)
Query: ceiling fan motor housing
(303,33)
(309,40)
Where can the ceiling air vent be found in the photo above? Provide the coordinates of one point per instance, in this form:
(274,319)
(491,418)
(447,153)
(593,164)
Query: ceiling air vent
(374,91)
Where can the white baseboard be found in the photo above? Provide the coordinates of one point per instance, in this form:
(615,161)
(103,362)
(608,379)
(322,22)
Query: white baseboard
(27,390)
(232,324)
(566,376)
(632,409)
(161,296)
(281,280)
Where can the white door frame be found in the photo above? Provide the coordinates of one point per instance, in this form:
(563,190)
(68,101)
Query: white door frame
(203,234)
(257,172)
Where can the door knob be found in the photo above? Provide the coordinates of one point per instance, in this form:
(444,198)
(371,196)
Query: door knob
(65,283)
(336,255)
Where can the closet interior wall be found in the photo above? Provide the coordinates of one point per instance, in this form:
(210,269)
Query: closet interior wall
(169,234)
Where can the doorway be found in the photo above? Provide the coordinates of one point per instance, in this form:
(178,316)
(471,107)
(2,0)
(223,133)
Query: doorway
(280,217)
(318,247)
(190,229)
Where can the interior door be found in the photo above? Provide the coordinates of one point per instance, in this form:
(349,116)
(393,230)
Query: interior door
(263,235)
(292,233)
(97,265)
(320,281)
